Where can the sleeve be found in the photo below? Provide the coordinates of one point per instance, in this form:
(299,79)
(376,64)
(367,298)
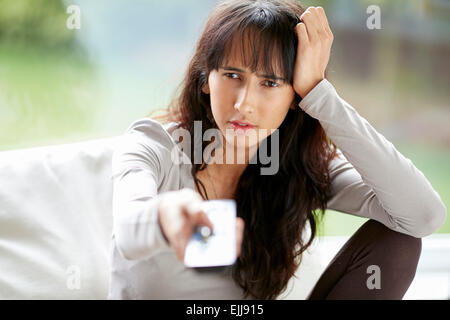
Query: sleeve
(370,178)
(138,168)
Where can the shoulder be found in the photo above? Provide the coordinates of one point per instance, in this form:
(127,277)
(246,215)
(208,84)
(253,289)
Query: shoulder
(151,130)
(146,138)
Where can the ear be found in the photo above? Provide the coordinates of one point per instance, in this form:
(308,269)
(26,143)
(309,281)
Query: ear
(205,88)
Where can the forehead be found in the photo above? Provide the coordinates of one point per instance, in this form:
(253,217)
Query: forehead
(246,54)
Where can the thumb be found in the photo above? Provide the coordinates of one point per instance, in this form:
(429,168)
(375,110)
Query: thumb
(197,216)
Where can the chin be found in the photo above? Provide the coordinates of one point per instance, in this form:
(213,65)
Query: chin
(240,140)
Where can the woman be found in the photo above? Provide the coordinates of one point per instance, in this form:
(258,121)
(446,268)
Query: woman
(264,63)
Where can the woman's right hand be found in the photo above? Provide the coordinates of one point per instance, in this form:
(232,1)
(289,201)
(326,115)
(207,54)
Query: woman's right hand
(179,213)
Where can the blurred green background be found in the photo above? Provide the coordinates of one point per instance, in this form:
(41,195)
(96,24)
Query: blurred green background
(61,85)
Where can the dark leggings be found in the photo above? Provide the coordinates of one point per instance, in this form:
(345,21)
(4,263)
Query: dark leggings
(348,276)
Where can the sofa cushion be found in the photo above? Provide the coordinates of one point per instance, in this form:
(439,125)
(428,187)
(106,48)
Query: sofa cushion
(55,221)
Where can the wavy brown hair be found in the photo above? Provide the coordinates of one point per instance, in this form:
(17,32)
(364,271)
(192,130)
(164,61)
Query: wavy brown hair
(275,208)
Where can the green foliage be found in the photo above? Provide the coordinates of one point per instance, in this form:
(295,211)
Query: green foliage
(38,22)
(46,96)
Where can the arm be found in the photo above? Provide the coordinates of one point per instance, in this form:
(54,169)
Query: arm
(371,178)
(137,171)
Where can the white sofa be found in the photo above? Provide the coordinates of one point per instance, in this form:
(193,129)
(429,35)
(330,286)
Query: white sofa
(56,220)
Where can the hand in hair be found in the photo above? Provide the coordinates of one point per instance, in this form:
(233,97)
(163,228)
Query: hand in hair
(313,52)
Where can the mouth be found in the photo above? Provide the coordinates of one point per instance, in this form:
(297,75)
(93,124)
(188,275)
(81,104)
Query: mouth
(238,125)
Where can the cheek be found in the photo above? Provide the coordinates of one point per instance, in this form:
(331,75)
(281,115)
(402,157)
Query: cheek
(279,113)
(221,102)
(219,106)
(273,115)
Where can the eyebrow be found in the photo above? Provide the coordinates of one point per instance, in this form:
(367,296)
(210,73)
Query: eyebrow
(269,76)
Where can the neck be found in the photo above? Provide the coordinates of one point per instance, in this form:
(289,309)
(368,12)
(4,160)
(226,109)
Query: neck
(231,169)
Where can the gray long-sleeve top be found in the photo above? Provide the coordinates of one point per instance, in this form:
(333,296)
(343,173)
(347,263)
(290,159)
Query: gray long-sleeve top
(370,178)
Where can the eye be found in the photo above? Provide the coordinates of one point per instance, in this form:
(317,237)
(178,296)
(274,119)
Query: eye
(228,75)
(272,84)
(275,84)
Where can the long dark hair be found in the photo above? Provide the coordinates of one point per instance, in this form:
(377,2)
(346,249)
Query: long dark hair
(276,207)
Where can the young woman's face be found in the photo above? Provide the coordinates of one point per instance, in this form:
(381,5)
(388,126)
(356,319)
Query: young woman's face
(249,97)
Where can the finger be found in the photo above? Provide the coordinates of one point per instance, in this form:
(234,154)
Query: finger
(324,21)
(196,215)
(311,24)
(202,219)
(239,235)
(180,244)
(182,239)
(324,29)
(317,21)
(180,252)
(302,34)
(192,201)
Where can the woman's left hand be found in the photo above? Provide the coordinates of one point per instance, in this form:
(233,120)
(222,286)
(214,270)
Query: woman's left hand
(313,52)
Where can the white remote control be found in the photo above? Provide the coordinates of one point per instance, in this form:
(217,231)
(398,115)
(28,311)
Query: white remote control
(206,249)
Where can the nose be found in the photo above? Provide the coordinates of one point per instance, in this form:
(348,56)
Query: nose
(245,102)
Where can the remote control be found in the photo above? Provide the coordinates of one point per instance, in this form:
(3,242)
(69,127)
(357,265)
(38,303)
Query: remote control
(208,248)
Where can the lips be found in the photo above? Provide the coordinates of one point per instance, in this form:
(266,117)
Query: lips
(242,124)
(239,126)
